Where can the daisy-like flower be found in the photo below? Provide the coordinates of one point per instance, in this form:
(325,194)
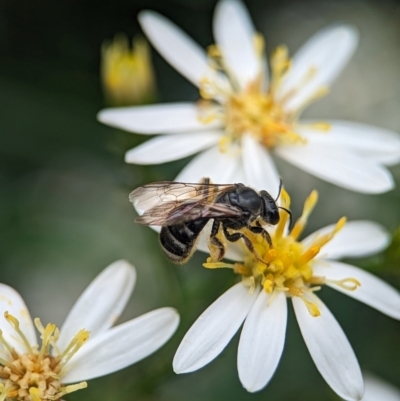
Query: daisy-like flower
(247,111)
(291,270)
(85,347)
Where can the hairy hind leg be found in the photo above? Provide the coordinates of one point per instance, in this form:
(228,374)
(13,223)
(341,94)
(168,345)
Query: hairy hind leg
(259,230)
(237,236)
(216,247)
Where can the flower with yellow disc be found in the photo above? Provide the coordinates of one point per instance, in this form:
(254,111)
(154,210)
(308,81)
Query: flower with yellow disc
(85,347)
(248,112)
(290,270)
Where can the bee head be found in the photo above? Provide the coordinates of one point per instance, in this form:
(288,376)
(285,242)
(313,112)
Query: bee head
(247,199)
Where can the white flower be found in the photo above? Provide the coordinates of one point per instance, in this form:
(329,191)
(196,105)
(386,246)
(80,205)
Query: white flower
(85,347)
(291,270)
(247,112)
(378,390)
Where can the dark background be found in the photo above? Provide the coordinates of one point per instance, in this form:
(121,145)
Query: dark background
(64,212)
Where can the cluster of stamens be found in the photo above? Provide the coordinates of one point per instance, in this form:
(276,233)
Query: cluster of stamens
(36,374)
(287,265)
(254,109)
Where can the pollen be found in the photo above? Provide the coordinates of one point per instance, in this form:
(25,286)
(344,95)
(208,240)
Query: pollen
(288,265)
(255,109)
(36,373)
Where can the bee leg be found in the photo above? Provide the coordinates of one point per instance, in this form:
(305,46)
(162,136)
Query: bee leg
(205,180)
(237,236)
(216,246)
(262,231)
(289,213)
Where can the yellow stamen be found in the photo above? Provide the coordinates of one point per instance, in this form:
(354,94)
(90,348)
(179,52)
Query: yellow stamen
(308,208)
(35,393)
(324,239)
(309,255)
(75,344)
(4,342)
(259,44)
(15,325)
(217,265)
(280,64)
(318,126)
(46,340)
(224,144)
(350,284)
(68,389)
(280,229)
(312,307)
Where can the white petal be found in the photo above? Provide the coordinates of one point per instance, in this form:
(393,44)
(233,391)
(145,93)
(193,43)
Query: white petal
(221,168)
(373,291)
(155,119)
(12,302)
(123,345)
(182,52)
(379,144)
(328,51)
(234,34)
(355,239)
(262,340)
(212,331)
(100,305)
(330,350)
(338,165)
(259,167)
(171,147)
(379,390)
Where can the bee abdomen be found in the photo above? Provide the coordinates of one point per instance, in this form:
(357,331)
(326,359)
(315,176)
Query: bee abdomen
(178,241)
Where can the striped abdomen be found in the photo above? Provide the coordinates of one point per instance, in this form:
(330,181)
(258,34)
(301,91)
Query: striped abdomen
(178,241)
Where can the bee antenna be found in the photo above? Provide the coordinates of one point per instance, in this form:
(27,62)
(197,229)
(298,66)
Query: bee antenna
(280,189)
(289,213)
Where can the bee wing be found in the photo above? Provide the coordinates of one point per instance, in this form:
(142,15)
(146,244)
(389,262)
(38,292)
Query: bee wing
(169,214)
(172,194)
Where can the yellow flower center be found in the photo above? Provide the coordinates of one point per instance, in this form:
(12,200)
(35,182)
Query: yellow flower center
(287,266)
(36,374)
(254,110)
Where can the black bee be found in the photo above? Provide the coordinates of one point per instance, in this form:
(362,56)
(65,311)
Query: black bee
(183,210)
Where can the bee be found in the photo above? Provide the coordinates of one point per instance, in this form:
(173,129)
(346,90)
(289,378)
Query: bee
(183,210)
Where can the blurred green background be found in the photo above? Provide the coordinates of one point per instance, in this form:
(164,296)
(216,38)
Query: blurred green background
(64,209)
